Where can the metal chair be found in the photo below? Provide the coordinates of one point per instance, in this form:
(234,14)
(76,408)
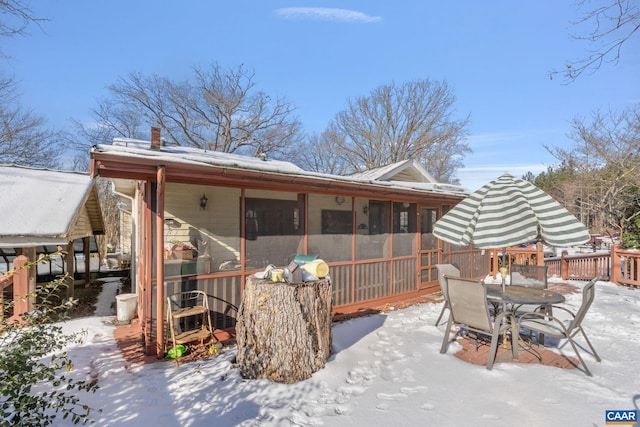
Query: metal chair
(445,269)
(566,326)
(529,276)
(469,311)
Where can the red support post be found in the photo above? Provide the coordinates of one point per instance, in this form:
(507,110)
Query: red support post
(21,299)
(564,266)
(616,266)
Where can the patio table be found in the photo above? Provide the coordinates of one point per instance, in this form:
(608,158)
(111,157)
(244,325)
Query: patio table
(519,295)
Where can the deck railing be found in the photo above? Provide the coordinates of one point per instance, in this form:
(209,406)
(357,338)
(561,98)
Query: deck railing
(620,266)
(580,266)
(624,266)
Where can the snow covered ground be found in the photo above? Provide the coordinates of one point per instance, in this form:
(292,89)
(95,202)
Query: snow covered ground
(386,369)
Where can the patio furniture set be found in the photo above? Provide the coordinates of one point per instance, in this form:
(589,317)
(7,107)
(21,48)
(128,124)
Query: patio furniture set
(517,310)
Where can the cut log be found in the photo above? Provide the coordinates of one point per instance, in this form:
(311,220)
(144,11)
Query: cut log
(283,330)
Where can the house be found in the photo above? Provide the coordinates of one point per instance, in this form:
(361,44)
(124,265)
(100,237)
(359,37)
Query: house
(43,209)
(221,217)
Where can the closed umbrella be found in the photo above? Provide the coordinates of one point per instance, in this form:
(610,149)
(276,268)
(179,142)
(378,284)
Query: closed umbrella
(509,211)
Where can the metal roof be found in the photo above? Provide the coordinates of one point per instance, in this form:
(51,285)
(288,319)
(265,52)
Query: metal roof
(45,207)
(135,159)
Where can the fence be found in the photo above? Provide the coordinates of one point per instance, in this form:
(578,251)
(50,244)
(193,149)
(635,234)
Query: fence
(580,266)
(619,266)
(515,255)
(624,266)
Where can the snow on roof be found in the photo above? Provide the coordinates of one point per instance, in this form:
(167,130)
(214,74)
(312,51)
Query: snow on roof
(408,167)
(191,154)
(171,153)
(39,206)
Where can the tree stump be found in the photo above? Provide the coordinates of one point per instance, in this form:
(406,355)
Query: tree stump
(283,330)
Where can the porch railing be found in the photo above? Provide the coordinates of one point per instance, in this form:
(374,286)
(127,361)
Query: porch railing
(619,266)
(624,266)
(580,266)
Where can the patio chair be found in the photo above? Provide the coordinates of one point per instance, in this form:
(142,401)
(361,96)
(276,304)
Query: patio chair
(445,269)
(567,326)
(530,276)
(470,312)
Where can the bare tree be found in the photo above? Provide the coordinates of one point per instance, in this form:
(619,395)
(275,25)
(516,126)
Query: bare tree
(398,122)
(16,16)
(23,140)
(111,120)
(320,153)
(606,163)
(218,110)
(607,27)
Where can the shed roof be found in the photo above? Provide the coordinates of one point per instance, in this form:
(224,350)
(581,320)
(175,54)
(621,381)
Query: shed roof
(46,207)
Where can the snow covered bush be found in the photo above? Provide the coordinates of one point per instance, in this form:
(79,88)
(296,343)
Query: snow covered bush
(36,384)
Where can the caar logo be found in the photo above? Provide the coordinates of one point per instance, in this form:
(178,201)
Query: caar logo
(621,417)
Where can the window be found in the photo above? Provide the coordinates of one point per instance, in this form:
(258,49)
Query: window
(404,229)
(273,231)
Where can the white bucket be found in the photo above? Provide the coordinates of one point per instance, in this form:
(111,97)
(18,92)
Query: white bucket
(126,307)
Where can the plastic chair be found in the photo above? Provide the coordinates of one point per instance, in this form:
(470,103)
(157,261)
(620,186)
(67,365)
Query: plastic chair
(469,311)
(543,321)
(450,270)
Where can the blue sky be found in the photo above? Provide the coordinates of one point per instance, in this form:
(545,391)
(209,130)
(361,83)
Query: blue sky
(496,57)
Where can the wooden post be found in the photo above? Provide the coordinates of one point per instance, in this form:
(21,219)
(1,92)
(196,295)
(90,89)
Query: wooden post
(21,294)
(564,266)
(616,265)
(283,330)
(159,254)
(32,276)
(86,249)
(495,262)
(540,254)
(71,271)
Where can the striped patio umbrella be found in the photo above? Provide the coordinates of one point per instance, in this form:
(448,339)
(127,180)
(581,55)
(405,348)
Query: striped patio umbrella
(509,211)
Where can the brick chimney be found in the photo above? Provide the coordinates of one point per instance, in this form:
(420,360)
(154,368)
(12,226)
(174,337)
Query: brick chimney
(155,139)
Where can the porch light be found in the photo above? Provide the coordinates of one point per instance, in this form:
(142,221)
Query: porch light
(203,201)
(365,209)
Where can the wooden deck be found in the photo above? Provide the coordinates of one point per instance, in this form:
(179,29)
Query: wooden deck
(130,341)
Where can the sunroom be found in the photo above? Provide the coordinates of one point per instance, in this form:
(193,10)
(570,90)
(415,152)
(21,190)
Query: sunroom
(223,217)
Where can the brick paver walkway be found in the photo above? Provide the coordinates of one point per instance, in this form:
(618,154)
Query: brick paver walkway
(129,340)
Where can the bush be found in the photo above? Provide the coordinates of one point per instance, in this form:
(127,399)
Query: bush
(35,382)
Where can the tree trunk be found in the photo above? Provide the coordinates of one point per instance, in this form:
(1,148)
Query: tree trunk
(283,330)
